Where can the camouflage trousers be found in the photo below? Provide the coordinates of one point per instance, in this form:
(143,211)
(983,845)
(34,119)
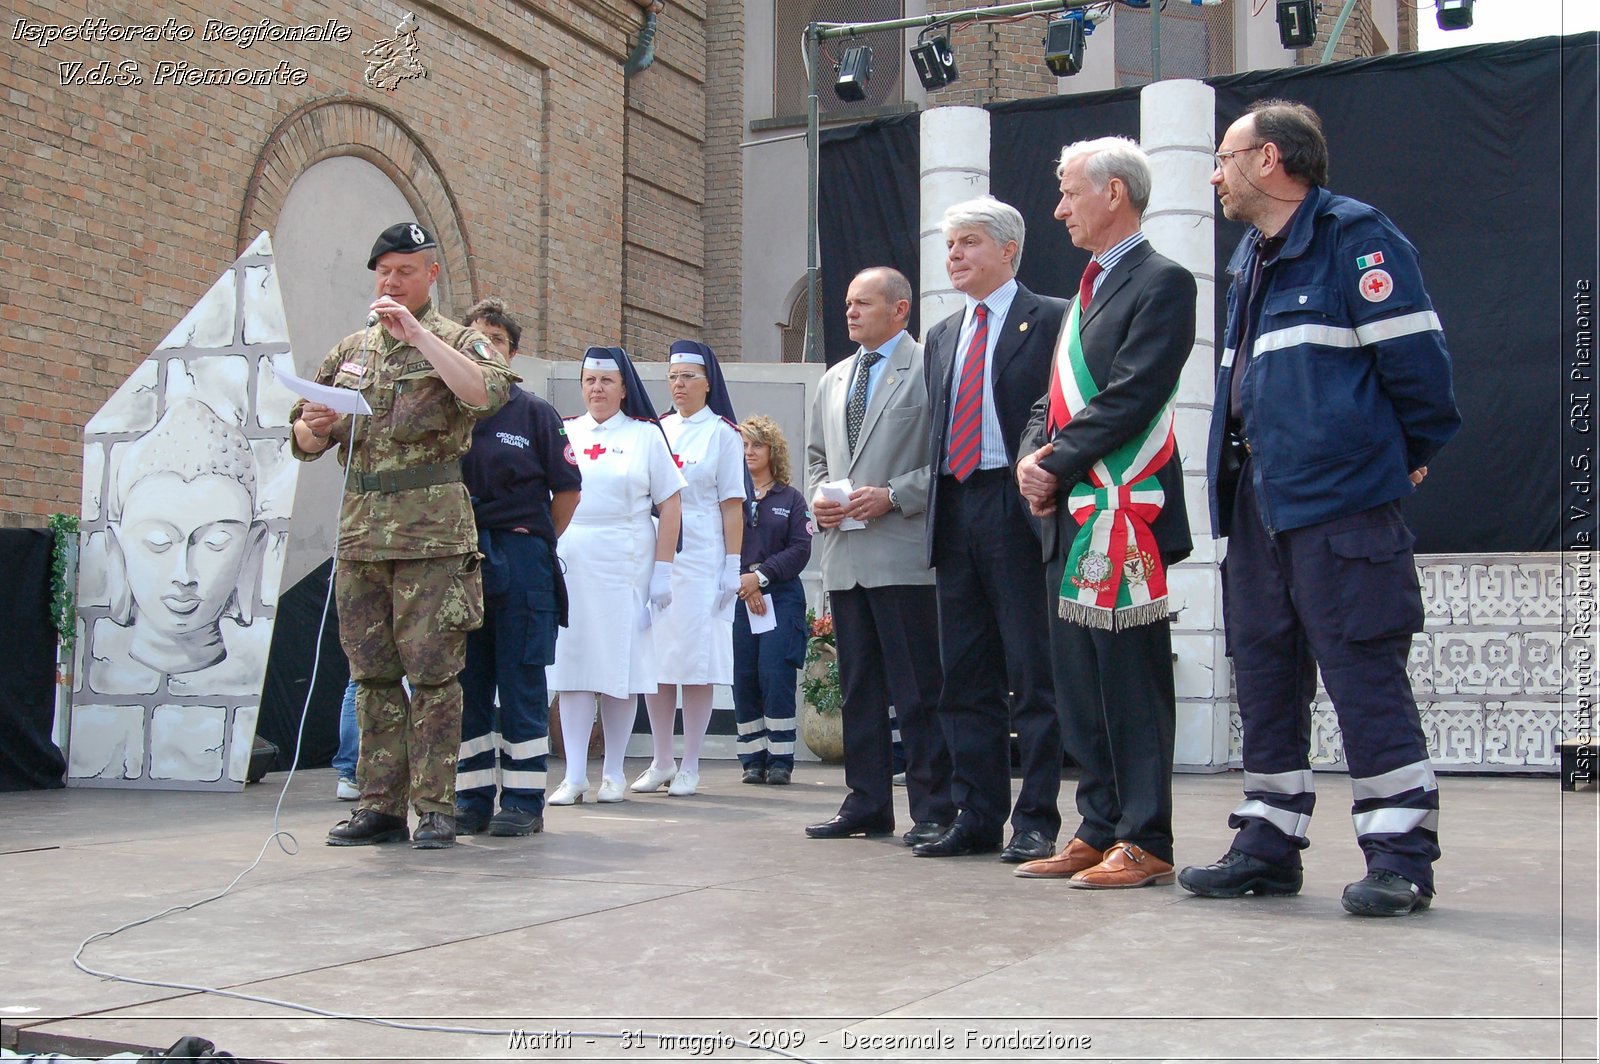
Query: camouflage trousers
(408,618)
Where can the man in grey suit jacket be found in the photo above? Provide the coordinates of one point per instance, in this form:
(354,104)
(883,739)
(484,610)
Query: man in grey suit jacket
(869,425)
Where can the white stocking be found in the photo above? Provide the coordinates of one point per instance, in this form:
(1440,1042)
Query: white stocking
(577,722)
(696,719)
(662,706)
(616,720)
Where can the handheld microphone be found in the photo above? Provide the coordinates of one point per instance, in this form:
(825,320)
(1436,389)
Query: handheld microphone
(372,319)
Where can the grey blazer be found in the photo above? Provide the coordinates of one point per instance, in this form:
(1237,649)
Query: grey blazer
(892,452)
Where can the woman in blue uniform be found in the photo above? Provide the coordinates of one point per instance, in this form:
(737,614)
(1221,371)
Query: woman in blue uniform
(776,547)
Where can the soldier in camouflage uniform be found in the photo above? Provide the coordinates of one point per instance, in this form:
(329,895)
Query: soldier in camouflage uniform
(407,580)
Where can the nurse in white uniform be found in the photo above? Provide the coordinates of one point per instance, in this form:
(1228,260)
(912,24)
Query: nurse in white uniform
(618,565)
(694,637)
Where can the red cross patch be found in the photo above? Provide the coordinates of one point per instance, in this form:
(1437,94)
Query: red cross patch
(1376,286)
(571,458)
(677,461)
(594,452)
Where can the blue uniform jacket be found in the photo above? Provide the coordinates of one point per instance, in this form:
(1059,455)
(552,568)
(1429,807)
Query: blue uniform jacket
(1347,385)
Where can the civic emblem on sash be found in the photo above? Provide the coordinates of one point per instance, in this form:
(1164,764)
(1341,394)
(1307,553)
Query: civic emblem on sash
(1094,570)
(1138,564)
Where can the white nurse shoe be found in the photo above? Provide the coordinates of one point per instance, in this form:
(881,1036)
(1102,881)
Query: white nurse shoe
(568,793)
(652,778)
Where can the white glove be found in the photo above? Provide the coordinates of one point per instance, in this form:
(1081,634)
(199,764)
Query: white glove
(661,586)
(728,589)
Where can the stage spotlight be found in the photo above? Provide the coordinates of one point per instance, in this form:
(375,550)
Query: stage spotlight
(1454,14)
(935,61)
(1297,23)
(855,70)
(1063,46)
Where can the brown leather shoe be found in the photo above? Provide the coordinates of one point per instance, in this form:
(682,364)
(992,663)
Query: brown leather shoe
(1077,856)
(1126,865)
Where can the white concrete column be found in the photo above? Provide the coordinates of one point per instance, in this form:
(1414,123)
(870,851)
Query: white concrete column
(955,167)
(1177,120)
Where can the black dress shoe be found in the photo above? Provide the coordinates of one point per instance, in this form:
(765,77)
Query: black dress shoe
(435,831)
(754,774)
(1028,846)
(1383,893)
(1239,873)
(778,775)
(924,831)
(842,827)
(959,841)
(368,827)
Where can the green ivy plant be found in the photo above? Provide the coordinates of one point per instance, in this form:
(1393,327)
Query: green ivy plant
(63,600)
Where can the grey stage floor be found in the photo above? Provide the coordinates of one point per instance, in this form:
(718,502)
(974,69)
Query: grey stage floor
(714,921)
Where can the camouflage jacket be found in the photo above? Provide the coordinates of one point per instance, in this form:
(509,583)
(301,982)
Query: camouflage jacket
(416,421)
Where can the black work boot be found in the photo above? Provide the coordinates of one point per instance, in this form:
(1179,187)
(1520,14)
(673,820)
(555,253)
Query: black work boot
(1238,873)
(512,823)
(434,831)
(368,827)
(1383,893)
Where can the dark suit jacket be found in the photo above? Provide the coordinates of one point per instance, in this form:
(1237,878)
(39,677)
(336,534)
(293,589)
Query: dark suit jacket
(1020,372)
(1136,337)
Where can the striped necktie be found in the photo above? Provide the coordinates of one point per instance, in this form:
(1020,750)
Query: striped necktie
(966,418)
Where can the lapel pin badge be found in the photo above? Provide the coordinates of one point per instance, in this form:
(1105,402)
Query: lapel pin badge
(1023,327)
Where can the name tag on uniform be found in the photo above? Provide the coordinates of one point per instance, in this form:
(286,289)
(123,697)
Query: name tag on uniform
(412,370)
(353,367)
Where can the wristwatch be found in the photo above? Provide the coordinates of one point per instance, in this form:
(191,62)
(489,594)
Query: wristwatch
(894,500)
(761,577)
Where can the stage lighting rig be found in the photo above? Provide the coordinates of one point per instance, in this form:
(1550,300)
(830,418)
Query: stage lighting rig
(1453,14)
(1063,44)
(1297,23)
(935,61)
(855,70)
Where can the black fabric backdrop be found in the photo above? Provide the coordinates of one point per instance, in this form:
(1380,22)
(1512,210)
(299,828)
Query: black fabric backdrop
(1484,156)
(29,758)
(289,664)
(866,215)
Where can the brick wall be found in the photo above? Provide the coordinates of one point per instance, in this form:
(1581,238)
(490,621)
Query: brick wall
(524,144)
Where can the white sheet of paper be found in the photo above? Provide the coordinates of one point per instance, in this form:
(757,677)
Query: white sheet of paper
(763,622)
(342,400)
(839,491)
(723,610)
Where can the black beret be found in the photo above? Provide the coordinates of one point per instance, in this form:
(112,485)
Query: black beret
(404,237)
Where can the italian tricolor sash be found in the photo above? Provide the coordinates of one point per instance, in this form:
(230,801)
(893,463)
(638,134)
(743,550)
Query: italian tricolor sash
(1114,578)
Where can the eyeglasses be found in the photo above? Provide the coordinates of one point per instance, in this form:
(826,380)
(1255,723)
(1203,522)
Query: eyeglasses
(684,378)
(1221,157)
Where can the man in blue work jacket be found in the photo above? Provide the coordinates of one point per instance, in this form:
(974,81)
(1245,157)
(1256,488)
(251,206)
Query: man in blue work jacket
(1333,395)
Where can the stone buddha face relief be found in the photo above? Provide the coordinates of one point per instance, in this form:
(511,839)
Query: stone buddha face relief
(185,546)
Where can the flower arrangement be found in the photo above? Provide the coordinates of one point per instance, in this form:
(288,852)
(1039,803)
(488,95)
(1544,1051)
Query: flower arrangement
(819,683)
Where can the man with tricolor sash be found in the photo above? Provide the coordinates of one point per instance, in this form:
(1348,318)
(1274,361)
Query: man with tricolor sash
(1333,394)
(1100,468)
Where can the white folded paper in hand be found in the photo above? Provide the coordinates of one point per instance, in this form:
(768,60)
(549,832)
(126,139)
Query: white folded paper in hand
(340,400)
(763,622)
(839,491)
